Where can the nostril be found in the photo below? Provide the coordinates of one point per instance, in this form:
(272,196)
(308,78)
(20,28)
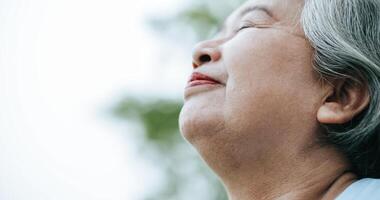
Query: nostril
(195,65)
(205,58)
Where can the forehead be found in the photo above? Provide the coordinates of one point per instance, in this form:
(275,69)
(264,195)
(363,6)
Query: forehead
(284,11)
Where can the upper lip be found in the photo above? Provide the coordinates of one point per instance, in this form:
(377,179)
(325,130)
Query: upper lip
(199,76)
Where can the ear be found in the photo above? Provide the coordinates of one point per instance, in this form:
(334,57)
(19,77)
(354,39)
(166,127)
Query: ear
(344,100)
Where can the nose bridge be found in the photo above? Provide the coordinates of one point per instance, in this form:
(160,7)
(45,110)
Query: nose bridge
(206,51)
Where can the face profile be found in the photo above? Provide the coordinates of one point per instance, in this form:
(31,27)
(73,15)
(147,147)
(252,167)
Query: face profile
(256,105)
(265,84)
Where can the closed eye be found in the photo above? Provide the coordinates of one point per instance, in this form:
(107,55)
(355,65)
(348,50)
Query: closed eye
(252,25)
(246,27)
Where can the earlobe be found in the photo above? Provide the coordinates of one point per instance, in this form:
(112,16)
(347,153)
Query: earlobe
(332,113)
(343,103)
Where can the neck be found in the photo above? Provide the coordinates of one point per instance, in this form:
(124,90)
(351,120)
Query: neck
(322,174)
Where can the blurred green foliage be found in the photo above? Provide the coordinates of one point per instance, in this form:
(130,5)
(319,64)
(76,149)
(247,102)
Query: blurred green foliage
(159,118)
(186,176)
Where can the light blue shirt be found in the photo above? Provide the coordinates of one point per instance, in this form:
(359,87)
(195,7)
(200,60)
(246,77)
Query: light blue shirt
(363,189)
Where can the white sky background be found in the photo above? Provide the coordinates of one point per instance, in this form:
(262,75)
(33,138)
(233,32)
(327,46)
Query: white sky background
(62,62)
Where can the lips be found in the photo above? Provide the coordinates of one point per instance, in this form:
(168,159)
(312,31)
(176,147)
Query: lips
(201,79)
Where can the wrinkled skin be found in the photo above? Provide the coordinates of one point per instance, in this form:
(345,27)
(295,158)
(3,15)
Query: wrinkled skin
(257,129)
(270,92)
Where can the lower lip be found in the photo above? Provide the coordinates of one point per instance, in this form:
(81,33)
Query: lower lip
(200,82)
(199,86)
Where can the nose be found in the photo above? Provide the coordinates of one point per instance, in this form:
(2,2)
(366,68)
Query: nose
(205,52)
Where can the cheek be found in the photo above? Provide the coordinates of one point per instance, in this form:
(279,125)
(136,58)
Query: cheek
(271,82)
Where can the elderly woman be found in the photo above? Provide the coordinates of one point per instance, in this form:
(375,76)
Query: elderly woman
(284,103)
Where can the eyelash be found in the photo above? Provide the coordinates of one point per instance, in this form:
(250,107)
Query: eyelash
(245,27)
(246,24)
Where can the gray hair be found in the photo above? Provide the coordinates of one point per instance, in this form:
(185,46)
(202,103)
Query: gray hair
(345,35)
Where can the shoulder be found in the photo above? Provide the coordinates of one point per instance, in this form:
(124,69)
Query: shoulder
(366,189)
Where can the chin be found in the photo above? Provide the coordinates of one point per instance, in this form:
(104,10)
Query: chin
(202,115)
(198,122)
(207,133)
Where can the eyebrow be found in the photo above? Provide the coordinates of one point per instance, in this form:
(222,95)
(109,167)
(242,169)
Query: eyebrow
(248,10)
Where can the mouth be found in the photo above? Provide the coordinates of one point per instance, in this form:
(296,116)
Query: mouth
(197,79)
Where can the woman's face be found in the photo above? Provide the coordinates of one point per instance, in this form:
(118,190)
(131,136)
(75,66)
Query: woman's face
(268,94)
